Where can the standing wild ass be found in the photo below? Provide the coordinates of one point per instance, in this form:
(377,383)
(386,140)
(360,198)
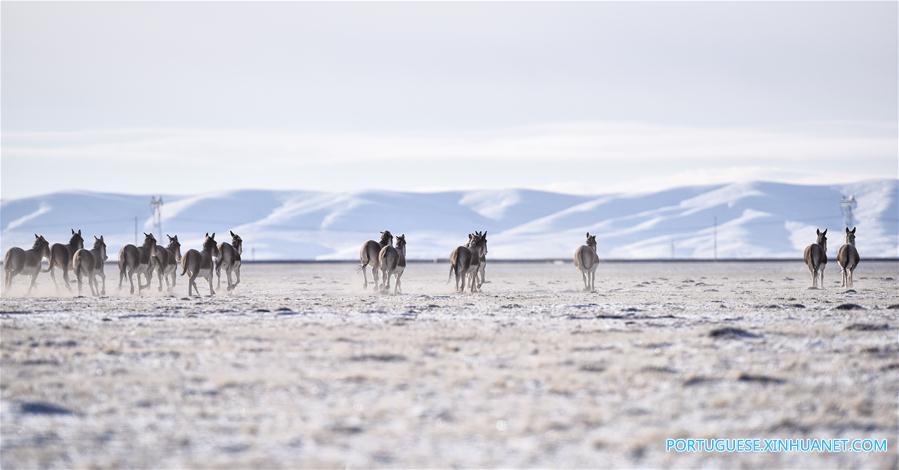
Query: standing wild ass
(466,260)
(369,255)
(61,255)
(229,258)
(197,264)
(847,258)
(816,257)
(586,260)
(90,263)
(19,261)
(166,260)
(393,262)
(482,261)
(134,260)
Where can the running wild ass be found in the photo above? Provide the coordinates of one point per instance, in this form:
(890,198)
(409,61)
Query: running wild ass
(586,260)
(816,257)
(165,262)
(197,263)
(27,262)
(368,255)
(61,255)
(466,260)
(847,258)
(393,262)
(134,260)
(229,258)
(90,263)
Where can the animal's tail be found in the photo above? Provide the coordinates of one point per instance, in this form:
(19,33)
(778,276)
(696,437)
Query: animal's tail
(450,274)
(183,265)
(6,261)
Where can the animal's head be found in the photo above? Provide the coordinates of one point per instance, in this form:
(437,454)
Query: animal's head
(41,245)
(175,246)
(386,238)
(591,241)
(210,245)
(100,245)
(483,238)
(76,240)
(822,237)
(149,240)
(236,242)
(477,242)
(401,242)
(850,235)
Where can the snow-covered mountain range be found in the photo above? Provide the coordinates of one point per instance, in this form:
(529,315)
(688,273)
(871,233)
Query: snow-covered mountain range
(754,220)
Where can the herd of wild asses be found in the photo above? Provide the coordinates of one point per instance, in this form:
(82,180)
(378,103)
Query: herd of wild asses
(133,260)
(385,257)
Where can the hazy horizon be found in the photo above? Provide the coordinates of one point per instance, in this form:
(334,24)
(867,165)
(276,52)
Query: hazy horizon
(582,98)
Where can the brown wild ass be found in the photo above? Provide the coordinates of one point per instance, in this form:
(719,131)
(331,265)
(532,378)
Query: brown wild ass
(196,264)
(166,261)
(393,262)
(816,257)
(586,260)
(465,261)
(90,263)
(61,255)
(19,261)
(482,261)
(847,258)
(369,255)
(229,258)
(137,260)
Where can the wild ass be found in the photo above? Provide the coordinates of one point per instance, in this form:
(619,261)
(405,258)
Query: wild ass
(229,258)
(847,258)
(393,262)
(369,255)
(134,260)
(90,263)
(465,261)
(61,255)
(816,257)
(586,260)
(197,263)
(19,261)
(165,262)
(482,261)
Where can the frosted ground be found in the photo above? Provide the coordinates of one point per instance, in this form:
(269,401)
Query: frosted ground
(300,367)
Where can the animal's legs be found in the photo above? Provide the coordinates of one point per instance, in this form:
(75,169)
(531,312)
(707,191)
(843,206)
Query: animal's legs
(209,279)
(822,275)
(237,274)
(218,273)
(374,274)
(228,274)
(131,279)
(364,278)
(103,276)
(33,281)
(78,277)
(397,289)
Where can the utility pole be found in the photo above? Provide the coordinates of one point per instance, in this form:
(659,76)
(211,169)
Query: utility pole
(716,238)
(847,204)
(156,204)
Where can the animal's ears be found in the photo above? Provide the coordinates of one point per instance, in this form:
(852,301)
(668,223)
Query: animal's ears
(231,232)
(588,234)
(73,231)
(824,232)
(853,229)
(818,231)
(95,237)
(213,235)
(37,236)
(207,234)
(101,238)
(79,231)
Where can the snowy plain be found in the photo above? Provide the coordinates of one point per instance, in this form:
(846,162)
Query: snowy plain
(301,367)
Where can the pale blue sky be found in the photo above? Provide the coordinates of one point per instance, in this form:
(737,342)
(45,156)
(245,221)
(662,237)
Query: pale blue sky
(185,98)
